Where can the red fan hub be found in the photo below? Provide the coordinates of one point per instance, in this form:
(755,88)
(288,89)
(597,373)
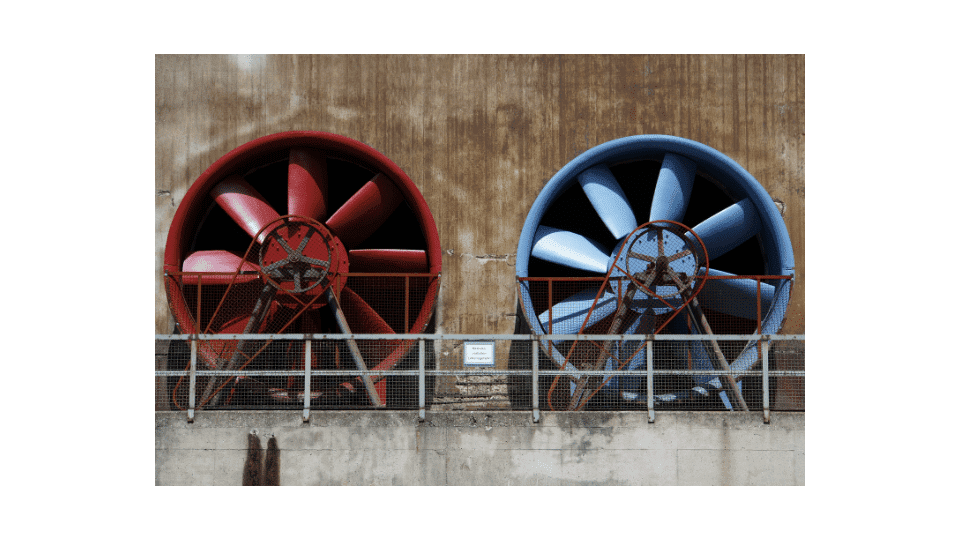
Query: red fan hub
(302,256)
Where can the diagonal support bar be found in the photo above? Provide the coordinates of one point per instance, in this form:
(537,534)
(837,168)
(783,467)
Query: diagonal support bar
(355,351)
(618,319)
(260,310)
(719,362)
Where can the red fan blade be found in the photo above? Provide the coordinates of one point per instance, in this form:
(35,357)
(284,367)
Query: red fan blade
(360,316)
(223,262)
(307,184)
(364,320)
(233,318)
(244,205)
(365,211)
(394,261)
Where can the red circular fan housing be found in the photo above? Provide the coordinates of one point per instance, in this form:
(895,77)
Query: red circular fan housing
(289,230)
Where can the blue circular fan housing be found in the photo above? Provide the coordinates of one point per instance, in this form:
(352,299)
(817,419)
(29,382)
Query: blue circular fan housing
(588,209)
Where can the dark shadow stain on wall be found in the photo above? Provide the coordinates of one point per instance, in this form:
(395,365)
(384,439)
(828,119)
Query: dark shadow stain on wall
(253,468)
(271,466)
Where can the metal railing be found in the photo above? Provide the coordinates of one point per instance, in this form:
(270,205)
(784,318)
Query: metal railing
(576,372)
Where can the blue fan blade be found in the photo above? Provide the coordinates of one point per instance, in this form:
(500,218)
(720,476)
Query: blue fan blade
(728,228)
(696,354)
(700,361)
(569,249)
(645,323)
(726,400)
(737,297)
(570,313)
(629,383)
(748,359)
(672,195)
(622,351)
(608,200)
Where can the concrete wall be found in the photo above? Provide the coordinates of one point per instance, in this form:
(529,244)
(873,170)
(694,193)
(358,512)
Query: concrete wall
(481,135)
(373,448)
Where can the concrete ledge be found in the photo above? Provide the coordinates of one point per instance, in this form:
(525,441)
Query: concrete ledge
(487,448)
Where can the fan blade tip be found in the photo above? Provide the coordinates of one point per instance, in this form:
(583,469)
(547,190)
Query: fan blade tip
(217,261)
(569,314)
(671,195)
(569,249)
(728,228)
(307,183)
(361,316)
(608,200)
(365,211)
(244,205)
(389,261)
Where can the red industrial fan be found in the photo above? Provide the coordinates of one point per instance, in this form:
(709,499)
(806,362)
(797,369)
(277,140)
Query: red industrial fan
(301,232)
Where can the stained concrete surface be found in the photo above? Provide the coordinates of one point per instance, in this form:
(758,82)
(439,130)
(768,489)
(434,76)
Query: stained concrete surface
(497,448)
(479,135)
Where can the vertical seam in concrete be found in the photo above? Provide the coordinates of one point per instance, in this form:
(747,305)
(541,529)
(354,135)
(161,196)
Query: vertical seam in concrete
(676,467)
(793,453)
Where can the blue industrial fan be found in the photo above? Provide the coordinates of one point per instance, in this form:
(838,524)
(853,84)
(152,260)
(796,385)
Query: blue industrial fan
(639,200)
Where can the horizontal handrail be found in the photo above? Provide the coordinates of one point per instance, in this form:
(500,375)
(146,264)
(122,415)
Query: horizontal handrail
(468,372)
(488,337)
(198,384)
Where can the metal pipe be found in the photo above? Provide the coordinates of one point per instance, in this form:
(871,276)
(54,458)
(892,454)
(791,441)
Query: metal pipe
(307,356)
(193,380)
(365,376)
(765,351)
(422,391)
(650,413)
(550,303)
(759,318)
(535,369)
(484,337)
(484,372)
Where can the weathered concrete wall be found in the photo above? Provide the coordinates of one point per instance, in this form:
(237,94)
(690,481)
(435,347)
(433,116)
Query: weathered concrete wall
(481,135)
(496,448)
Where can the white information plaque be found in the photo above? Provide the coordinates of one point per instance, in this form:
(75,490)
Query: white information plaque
(478,353)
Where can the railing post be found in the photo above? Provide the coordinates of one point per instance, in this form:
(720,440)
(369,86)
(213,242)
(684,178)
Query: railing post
(765,354)
(535,379)
(650,413)
(307,357)
(192,400)
(422,380)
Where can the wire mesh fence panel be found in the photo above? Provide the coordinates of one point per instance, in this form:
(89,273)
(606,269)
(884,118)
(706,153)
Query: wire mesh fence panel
(217,303)
(645,299)
(599,372)
(161,381)
(787,391)
(475,377)
(243,373)
(249,302)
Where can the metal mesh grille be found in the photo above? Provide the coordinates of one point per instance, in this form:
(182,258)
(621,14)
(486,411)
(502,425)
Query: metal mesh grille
(588,305)
(726,305)
(270,373)
(247,304)
(465,387)
(788,393)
